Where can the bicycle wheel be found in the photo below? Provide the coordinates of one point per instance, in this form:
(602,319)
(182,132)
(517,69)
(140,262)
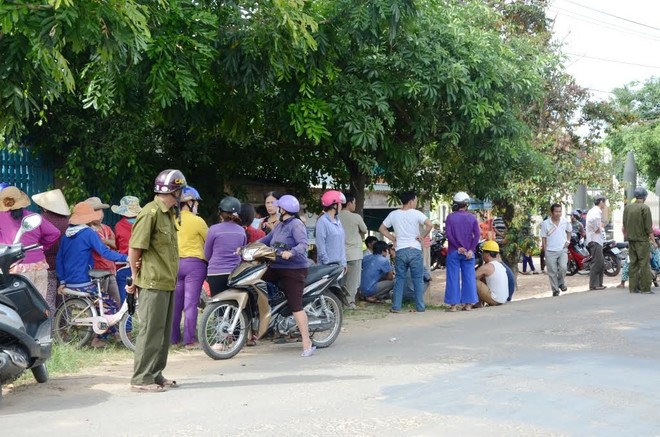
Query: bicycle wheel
(214,332)
(68,333)
(129,328)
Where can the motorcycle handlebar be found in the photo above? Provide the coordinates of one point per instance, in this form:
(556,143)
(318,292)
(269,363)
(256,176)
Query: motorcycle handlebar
(32,247)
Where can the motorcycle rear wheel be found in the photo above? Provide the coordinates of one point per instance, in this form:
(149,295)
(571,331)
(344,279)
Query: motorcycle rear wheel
(67,333)
(571,267)
(40,373)
(129,328)
(612,265)
(327,305)
(213,331)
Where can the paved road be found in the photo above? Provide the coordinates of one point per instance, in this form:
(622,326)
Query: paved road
(581,364)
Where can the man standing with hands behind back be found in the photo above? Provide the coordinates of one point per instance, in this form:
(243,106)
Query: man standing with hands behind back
(595,242)
(153,244)
(354,231)
(638,231)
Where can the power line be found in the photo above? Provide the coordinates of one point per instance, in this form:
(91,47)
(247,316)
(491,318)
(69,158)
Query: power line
(612,15)
(600,91)
(604,24)
(613,60)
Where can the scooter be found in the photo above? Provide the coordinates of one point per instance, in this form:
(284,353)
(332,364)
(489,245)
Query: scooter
(25,322)
(579,259)
(438,251)
(248,306)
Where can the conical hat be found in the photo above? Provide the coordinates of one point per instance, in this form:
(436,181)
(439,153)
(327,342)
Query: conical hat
(52,201)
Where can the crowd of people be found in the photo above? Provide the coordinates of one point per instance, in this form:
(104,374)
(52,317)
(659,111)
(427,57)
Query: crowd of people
(169,252)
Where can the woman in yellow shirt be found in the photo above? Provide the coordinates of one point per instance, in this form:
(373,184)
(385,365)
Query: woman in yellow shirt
(192,269)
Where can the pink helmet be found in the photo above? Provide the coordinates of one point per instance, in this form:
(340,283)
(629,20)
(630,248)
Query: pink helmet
(331,197)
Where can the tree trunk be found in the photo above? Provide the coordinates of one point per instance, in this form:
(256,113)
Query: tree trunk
(358,184)
(512,254)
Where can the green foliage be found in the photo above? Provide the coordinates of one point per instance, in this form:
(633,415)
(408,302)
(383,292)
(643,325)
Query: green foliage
(439,95)
(46,46)
(633,125)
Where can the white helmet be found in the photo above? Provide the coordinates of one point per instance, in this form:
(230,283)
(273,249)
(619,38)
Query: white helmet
(461,197)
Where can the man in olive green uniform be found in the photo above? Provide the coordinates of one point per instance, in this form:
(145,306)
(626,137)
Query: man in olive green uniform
(637,228)
(153,247)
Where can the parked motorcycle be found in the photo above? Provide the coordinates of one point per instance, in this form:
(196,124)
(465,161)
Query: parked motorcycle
(479,254)
(579,259)
(246,307)
(438,251)
(25,322)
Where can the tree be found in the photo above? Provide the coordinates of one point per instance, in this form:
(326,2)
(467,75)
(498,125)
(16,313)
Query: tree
(189,95)
(632,123)
(49,47)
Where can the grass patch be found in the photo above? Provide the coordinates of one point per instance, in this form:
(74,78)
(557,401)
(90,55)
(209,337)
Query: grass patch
(372,311)
(67,360)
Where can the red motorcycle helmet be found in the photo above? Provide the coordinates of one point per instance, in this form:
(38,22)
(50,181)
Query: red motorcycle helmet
(168,181)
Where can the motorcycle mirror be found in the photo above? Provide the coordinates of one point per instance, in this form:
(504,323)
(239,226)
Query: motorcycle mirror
(28,224)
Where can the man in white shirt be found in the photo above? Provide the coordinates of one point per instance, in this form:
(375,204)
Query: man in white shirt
(408,243)
(492,280)
(556,236)
(354,231)
(594,241)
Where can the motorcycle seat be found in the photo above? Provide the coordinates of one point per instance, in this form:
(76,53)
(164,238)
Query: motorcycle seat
(622,245)
(99,274)
(319,271)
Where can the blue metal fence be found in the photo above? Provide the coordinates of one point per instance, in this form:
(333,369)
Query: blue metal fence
(26,170)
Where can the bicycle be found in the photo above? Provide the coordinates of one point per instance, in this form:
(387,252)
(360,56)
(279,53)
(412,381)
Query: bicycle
(81,316)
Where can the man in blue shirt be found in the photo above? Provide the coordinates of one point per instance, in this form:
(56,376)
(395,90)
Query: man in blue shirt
(377,279)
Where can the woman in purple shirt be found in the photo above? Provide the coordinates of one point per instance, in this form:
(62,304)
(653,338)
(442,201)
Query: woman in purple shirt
(289,239)
(221,243)
(462,230)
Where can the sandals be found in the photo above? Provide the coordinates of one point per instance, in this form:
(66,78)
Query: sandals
(371,299)
(467,307)
(452,309)
(148,388)
(252,341)
(168,383)
(308,352)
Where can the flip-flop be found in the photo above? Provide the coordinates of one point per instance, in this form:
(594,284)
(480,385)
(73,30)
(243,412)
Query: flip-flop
(467,307)
(148,388)
(308,352)
(168,383)
(452,309)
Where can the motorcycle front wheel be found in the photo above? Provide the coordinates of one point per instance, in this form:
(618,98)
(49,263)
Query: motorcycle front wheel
(129,328)
(214,333)
(612,265)
(326,308)
(68,333)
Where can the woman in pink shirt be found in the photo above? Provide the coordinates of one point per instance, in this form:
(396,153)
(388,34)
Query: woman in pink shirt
(12,210)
